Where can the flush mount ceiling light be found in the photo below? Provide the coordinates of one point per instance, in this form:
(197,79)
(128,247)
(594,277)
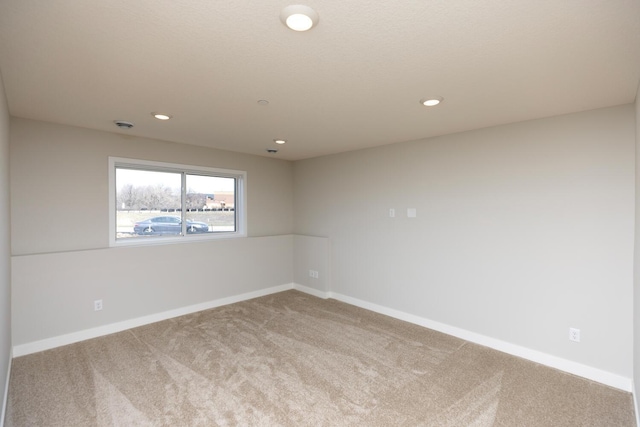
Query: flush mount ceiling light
(161,116)
(280,141)
(299,17)
(431,101)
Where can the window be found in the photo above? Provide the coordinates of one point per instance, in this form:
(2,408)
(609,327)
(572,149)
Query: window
(152,202)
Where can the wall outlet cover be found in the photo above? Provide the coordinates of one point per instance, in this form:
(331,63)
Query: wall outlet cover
(574,334)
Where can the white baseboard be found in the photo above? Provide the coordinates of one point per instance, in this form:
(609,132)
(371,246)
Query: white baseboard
(6,391)
(312,291)
(634,396)
(49,343)
(594,374)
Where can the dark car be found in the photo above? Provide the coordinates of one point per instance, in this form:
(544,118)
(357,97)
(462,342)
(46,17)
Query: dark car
(168,225)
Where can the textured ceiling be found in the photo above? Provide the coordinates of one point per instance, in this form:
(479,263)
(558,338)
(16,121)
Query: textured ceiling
(353,81)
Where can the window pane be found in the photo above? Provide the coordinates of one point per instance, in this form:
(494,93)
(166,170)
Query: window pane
(210,204)
(143,199)
(150,199)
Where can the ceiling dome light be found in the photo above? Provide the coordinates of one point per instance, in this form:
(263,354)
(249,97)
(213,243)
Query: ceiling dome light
(160,116)
(432,101)
(299,17)
(280,141)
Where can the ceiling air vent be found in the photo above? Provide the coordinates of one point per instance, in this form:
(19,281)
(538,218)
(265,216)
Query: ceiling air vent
(122,124)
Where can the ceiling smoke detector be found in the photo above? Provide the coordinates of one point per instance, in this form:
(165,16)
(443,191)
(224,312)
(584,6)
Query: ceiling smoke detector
(122,124)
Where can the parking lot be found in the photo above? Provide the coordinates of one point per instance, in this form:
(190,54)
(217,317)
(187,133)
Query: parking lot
(217,220)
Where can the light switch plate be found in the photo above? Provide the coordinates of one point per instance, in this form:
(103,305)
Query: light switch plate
(412,213)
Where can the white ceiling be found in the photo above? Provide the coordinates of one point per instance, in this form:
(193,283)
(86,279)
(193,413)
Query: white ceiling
(353,81)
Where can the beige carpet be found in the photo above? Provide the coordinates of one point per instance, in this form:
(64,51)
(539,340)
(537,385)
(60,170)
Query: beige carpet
(294,360)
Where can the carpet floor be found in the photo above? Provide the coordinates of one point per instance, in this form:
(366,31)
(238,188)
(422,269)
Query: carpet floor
(291,359)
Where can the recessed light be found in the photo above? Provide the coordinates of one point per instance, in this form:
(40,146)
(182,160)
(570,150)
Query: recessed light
(263,102)
(299,17)
(431,101)
(161,116)
(272,150)
(280,141)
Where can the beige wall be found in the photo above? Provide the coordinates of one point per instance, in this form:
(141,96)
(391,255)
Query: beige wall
(312,254)
(61,261)
(636,294)
(522,231)
(59,184)
(5,249)
(53,293)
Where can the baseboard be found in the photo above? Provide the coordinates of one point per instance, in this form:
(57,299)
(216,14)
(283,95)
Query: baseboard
(6,391)
(634,396)
(312,291)
(594,374)
(58,341)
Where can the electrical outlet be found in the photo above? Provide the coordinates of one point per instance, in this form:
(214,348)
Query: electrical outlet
(97,305)
(314,274)
(574,334)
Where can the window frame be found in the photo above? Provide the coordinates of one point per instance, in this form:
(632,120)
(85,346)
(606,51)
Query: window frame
(240,207)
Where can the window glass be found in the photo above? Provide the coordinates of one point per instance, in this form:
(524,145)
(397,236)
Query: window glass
(210,204)
(140,196)
(157,202)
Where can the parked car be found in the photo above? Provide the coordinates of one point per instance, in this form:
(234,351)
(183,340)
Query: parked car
(168,225)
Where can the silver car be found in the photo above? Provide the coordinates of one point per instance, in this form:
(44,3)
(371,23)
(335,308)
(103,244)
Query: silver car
(168,225)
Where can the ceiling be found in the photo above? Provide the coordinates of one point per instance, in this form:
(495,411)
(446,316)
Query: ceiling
(353,81)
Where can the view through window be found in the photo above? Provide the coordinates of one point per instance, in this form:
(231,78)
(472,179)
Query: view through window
(151,203)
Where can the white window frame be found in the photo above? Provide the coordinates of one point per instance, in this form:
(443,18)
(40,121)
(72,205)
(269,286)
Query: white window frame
(240,207)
